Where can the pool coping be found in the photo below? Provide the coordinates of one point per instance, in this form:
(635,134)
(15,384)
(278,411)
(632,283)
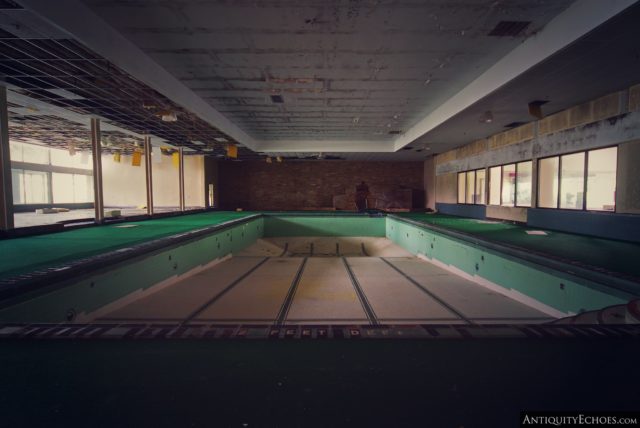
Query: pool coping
(611,279)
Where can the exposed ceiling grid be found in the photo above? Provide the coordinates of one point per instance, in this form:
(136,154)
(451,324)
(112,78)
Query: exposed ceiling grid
(64,74)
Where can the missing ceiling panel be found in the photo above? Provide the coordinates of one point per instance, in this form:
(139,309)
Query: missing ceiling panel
(277,99)
(509,28)
(514,124)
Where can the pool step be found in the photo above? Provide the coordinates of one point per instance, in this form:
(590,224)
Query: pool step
(612,315)
(617,314)
(590,317)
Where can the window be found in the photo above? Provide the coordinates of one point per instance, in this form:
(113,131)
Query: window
(562,179)
(471,187)
(71,188)
(572,181)
(480,186)
(508,185)
(548,172)
(30,187)
(523,183)
(461,187)
(601,179)
(471,180)
(494,185)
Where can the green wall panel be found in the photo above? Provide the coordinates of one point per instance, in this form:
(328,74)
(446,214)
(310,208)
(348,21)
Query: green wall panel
(99,289)
(560,290)
(324,226)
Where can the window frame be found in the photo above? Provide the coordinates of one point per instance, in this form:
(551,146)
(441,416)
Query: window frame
(475,186)
(585,179)
(515,197)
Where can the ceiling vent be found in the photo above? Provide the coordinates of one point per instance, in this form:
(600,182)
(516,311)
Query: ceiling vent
(509,28)
(277,99)
(514,124)
(395,132)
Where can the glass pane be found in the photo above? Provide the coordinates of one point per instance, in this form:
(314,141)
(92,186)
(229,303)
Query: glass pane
(548,182)
(36,187)
(523,177)
(62,186)
(601,179)
(194,181)
(17,186)
(124,178)
(59,194)
(508,185)
(480,186)
(461,193)
(82,188)
(166,185)
(471,185)
(572,181)
(494,185)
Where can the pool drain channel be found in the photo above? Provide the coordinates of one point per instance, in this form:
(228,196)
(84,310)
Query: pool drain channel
(429,293)
(286,305)
(223,292)
(371,315)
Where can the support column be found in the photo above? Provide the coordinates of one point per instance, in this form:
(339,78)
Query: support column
(149,174)
(96,149)
(181,173)
(6,190)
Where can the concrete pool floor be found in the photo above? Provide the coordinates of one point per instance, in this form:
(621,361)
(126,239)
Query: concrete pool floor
(322,281)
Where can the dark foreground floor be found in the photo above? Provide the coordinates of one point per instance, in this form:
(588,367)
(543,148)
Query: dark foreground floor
(457,383)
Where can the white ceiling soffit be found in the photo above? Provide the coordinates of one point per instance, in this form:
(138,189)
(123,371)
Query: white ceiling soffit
(83,24)
(580,18)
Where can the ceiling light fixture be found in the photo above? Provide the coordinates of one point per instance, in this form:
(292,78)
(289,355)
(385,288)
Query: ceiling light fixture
(487,117)
(168,116)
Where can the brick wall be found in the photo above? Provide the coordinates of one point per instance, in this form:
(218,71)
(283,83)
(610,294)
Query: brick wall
(298,185)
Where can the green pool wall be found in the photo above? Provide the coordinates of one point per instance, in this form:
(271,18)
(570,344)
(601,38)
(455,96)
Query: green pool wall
(559,290)
(113,283)
(324,226)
